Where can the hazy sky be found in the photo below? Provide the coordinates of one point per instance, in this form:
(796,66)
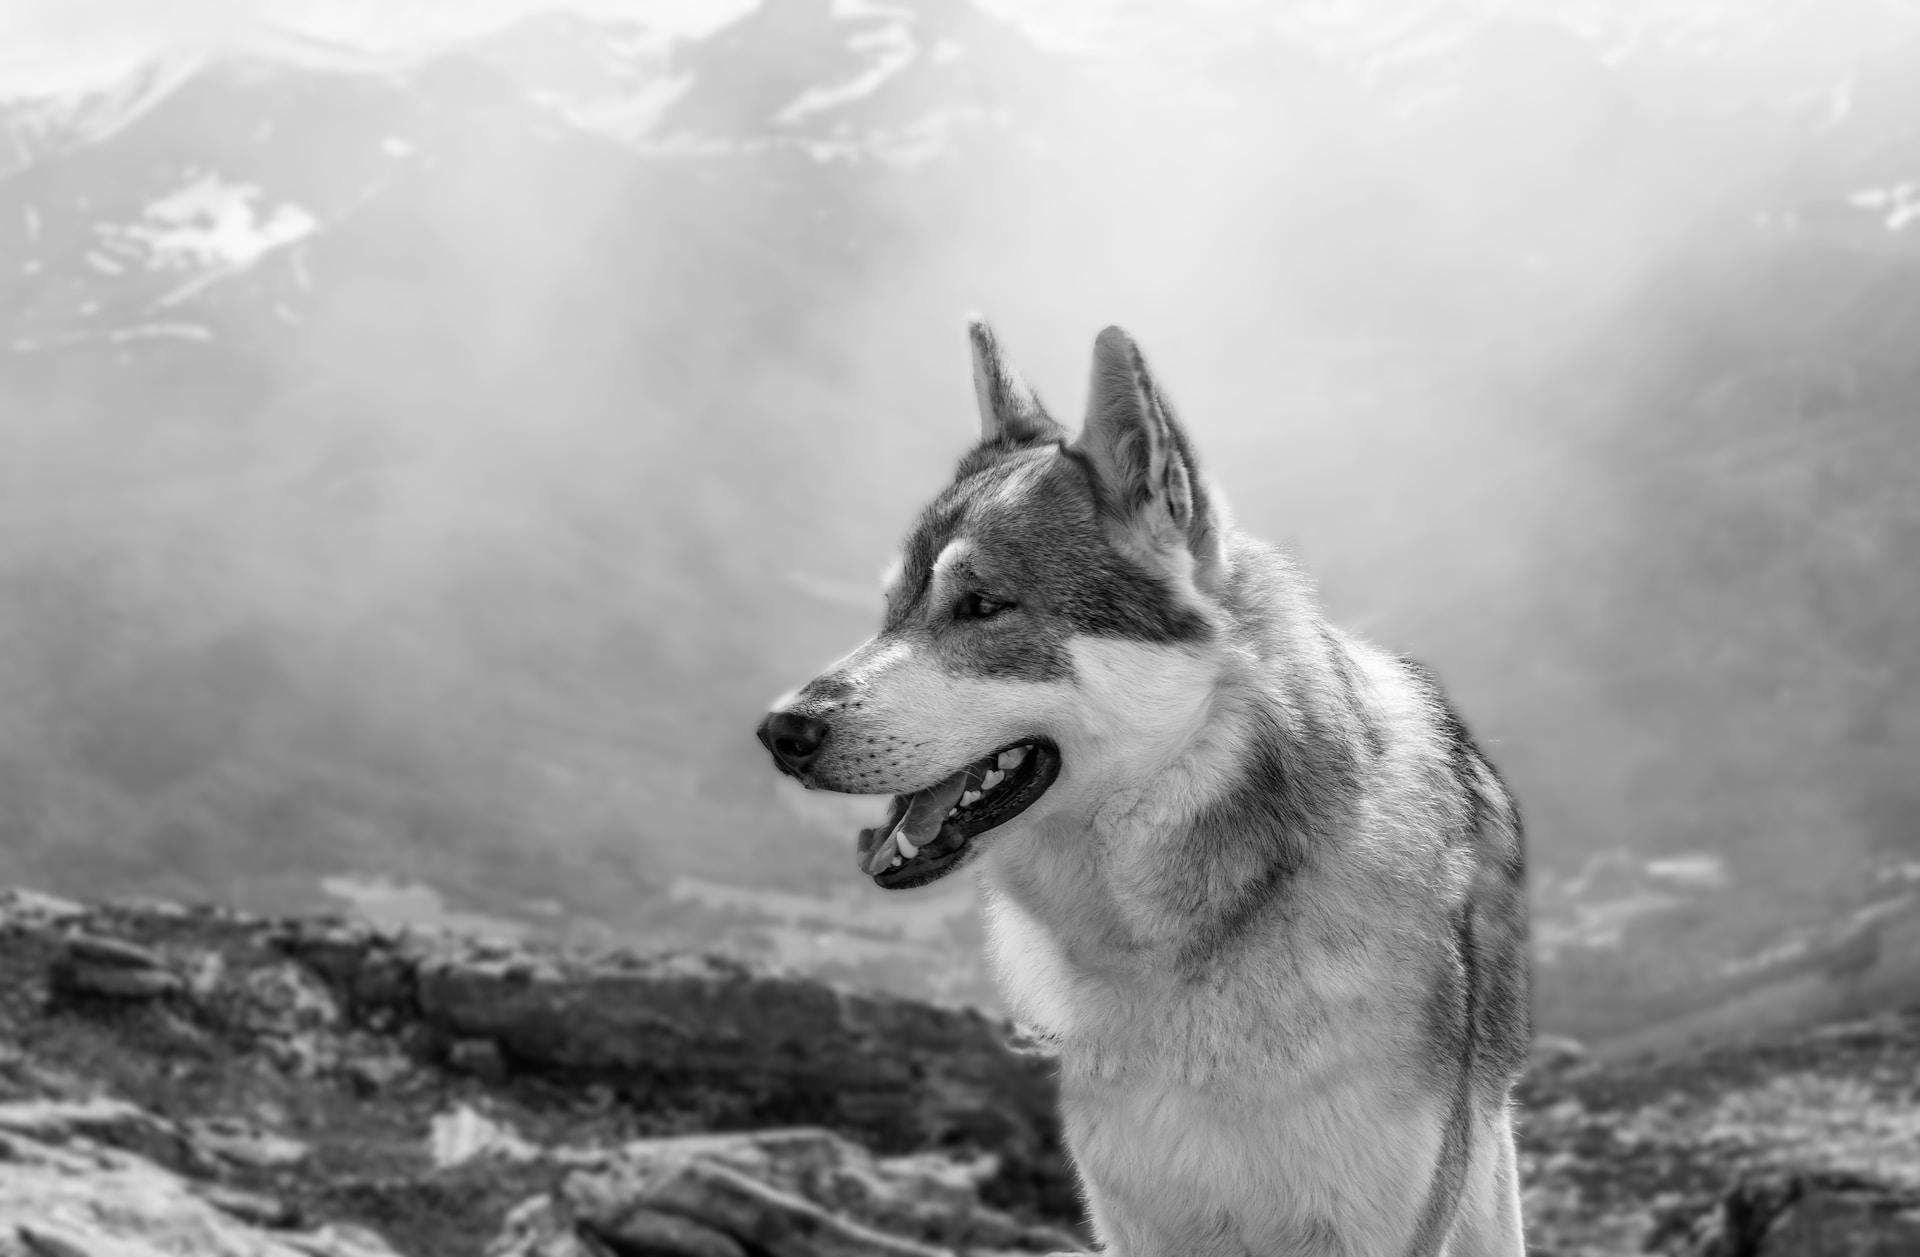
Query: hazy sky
(51,44)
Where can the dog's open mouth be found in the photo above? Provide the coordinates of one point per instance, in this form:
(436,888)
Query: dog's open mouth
(926,833)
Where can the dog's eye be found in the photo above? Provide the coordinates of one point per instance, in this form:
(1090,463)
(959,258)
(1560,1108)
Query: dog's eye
(978,606)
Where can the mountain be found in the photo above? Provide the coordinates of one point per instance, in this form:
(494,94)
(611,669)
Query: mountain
(421,464)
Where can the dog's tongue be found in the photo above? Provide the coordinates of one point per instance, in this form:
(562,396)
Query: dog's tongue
(917,817)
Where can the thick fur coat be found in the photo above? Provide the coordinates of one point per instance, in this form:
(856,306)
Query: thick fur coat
(1250,878)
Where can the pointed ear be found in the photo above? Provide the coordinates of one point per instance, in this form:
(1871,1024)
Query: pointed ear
(1008,409)
(1148,477)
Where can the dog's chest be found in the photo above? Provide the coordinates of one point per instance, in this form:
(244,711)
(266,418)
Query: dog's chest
(1283,1157)
(1270,1004)
(1254,1093)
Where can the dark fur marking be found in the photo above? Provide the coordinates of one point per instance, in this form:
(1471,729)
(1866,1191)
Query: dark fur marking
(1320,1239)
(1295,784)
(1266,818)
(1047,552)
(1456,1137)
(1490,824)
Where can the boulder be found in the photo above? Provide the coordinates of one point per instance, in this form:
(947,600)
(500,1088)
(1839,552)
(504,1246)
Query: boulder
(730,1046)
(67,1196)
(91,967)
(789,1193)
(1810,1215)
(772,1046)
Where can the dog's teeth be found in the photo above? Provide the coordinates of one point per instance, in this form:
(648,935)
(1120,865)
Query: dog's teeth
(907,849)
(992,779)
(895,864)
(970,798)
(1010,760)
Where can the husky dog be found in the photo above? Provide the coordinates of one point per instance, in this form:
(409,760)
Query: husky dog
(1249,877)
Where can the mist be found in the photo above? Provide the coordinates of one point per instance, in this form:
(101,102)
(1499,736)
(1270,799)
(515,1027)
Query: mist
(429,441)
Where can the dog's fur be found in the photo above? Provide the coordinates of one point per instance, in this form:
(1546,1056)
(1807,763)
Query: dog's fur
(1270,914)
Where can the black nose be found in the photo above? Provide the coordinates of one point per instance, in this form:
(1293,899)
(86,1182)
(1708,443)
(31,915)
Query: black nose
(794,740)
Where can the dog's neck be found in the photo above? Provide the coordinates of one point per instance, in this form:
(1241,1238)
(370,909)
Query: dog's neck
(1088,868)
(1187,817)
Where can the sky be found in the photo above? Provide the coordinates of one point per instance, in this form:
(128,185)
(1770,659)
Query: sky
(51,45)
(48,46)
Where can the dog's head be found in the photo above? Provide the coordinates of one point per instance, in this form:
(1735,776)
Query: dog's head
(1047,627)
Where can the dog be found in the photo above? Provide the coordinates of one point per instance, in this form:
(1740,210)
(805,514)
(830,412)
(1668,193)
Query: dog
(1250,878)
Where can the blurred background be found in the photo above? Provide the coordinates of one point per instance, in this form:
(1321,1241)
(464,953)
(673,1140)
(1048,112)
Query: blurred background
(431,432)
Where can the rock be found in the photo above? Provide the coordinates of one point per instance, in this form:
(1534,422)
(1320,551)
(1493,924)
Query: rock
(241,1143)
(371,971)
(1706,1152)
(105,968)
(542,1227)
(713,1041)
(721,1199)
(664,1235)
(464,1134)
(1793,1215)
(479,1057)
(249,1207)
(53,1240)
(83,1200)
(110,953)
(31,910)
(99,1120)
(760,1049)
(799,1192)
(373,1073)
(337,1241)
(1856,1223)
(283,1000)
(932,1197)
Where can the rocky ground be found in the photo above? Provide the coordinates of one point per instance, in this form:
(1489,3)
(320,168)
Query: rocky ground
(1805,1146)
(194,1082)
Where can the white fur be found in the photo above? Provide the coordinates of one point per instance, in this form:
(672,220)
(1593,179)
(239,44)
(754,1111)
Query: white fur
(927,720)
(953,553)
(1190,1103)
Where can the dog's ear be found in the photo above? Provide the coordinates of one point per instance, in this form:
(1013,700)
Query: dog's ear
(1008,409)
(1148,477)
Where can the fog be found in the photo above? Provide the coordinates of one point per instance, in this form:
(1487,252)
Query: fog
(430,434)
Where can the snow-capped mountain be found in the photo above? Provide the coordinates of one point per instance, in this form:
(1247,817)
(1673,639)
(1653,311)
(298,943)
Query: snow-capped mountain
(191,198)
(38,126)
